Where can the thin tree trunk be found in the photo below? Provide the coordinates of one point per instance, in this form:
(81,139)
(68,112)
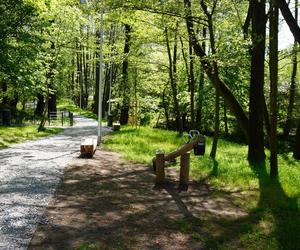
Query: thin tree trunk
(173,78)
(296,151)
(125,81)
(216,126)
(201,86)
(292,92)
(290,20)
(225,120)
(209,16)
(274,13)
(192,84)
(165,105)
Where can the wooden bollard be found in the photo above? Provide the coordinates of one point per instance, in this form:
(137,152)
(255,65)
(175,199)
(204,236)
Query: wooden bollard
(184,170)
(160,168)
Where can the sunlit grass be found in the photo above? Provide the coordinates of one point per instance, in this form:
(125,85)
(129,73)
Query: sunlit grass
(273,220)
(70,106)
(16,134)
(230,169)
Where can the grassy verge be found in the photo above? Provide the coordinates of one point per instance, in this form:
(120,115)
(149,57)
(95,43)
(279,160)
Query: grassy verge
(70,106)
(17,134)
(273,220)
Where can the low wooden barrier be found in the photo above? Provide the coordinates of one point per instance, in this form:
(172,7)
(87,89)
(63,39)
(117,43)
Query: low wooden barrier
(183,152)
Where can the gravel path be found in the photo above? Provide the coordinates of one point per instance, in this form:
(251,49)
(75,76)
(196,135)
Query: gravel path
(29,174)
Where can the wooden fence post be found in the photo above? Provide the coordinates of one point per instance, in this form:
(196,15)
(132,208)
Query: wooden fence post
(160,168)
(184,170)
(71,118)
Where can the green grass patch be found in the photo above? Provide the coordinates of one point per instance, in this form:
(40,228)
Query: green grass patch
(16,134)
(66,104)
(272,204)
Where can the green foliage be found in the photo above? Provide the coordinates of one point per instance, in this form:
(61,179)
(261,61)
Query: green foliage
(17,134)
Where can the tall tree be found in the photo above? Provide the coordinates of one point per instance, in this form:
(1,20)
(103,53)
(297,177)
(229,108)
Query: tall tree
(125,81)
(256,105)
(226,93)
(274,13)
(292,91)
(173,76)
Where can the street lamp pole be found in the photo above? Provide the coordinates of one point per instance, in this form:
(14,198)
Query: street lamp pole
(100,80)
(100,75)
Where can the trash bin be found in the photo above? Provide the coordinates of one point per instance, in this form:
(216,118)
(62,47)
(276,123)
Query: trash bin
(6,117)
(110,119)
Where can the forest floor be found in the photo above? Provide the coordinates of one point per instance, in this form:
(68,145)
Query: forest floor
(109,203)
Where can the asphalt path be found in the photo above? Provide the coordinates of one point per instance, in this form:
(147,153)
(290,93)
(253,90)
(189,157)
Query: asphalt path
(29,175)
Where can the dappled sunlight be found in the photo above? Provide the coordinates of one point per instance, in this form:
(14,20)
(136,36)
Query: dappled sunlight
(112,203)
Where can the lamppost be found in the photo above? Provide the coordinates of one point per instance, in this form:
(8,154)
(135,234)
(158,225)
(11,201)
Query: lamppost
(100,76)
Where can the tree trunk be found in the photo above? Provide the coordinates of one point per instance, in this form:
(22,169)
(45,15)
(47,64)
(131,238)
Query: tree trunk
(256,154)
(201,86)
(290,20)
(274,13)
(192,84)
(216,126)
(40,105)
(125,81)
(292,92)
(228,96)
(173,79)
(296,151)
(225,120)
(165,106)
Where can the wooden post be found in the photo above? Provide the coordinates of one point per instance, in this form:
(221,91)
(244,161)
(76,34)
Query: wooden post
(184,170)
(71,118)
(62,118)
(160,168)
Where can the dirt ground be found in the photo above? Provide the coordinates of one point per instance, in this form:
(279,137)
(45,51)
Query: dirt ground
(109,203)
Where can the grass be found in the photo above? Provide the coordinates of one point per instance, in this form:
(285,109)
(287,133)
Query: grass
(273,220)
(16,134)
(70,106)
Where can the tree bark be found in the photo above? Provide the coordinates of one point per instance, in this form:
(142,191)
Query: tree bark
(192,84)
(225,120)
(125,81)
(290,20)
(173,79)
(274,13)
(292,92)
(40,105)
(256,154)
(201,86)
(296,151)
(216,126)
(165,106)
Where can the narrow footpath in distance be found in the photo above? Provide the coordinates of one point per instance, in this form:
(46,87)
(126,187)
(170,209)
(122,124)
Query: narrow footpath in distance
(29,174)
